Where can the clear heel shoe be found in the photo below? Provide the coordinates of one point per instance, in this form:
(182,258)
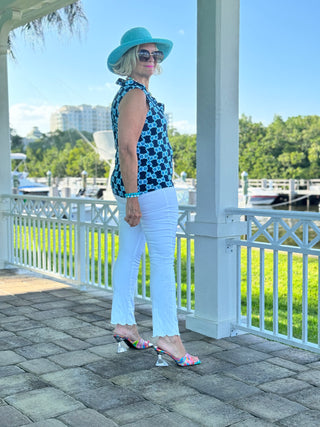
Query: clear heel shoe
(160,361)
(140,344)
(121,348)
(186,360)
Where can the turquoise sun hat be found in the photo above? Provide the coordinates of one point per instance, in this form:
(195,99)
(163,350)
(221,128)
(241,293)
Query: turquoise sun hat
(134,37)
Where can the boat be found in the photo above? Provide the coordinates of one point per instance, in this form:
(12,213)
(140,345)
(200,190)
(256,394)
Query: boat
(261,196)
(186,190)
(21,184)
(314,189)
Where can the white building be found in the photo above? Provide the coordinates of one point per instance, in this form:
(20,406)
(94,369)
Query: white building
(82,117)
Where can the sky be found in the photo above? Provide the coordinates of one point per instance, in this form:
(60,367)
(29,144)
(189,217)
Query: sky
(279,69)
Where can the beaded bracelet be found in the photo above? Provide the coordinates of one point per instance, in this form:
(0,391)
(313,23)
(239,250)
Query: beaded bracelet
(129,195)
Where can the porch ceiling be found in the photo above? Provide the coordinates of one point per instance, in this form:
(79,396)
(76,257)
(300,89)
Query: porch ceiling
(15,13)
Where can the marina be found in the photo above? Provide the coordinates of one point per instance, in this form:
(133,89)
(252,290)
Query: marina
(273,193)
(280,192)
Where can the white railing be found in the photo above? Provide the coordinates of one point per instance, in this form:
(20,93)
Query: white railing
(278,283)
(77,240)
(283,184)
(278,260)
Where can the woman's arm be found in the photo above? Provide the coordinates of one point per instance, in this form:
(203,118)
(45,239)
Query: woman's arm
(133,110)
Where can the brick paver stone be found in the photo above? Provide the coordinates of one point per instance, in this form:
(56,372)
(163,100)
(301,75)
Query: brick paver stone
(17,383)
(12,342)
(45,334)
(310,397)
(65,323)
(85,418)
(208,411)
(223,388)
(171,419)
(259,373)
(37,351)
(270,406)
(134,413)
(45,403)
(241,356)
(8,357)
(253,422)
(108,397)
(308,418)
(70,359)
(284,386)
(52,422)
(298,356)
(75,380)
(39,366)
(11,417)
(312,377)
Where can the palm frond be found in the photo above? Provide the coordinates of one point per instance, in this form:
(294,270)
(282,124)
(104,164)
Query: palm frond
(70,18)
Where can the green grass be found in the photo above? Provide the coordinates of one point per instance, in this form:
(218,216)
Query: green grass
(43,248)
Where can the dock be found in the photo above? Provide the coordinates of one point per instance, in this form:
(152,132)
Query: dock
(290,190)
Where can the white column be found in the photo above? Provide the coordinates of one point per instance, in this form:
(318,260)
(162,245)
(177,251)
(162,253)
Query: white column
(5,161)
(217,167)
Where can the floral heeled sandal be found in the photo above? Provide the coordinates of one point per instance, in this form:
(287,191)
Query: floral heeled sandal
(186,360)
(140,344)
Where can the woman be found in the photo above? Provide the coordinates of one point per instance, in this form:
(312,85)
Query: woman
(142,185)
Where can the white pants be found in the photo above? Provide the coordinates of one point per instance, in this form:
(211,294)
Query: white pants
(157,227)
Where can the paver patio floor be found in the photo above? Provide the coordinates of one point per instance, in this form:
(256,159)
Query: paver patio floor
(59,366)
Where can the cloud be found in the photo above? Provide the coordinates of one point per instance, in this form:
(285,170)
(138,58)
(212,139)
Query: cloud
(102,88)
(183,126)
(110,86)
(24,116)
(181,32)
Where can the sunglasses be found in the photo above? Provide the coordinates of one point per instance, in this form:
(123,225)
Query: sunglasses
(144,55)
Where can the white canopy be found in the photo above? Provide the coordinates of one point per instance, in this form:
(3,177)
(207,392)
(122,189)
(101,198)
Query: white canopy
(18,156)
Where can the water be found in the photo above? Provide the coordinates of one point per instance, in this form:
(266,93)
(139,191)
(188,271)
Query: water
(286,207)
(298,208)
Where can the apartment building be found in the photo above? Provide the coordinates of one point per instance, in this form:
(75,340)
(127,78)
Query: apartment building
(83,118)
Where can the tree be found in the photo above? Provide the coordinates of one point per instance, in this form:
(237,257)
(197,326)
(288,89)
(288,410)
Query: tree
(17,145)
(184,152)
(284,149)
(251,145)
(81,158)
(64,154)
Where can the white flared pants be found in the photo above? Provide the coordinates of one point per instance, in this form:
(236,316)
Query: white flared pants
(157,227)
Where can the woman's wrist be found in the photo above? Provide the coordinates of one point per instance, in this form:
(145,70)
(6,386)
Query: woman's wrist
(132,195)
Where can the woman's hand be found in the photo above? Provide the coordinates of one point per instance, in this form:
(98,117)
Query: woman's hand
(133,212)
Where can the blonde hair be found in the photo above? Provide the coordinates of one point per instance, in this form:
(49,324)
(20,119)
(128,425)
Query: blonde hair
(128,61)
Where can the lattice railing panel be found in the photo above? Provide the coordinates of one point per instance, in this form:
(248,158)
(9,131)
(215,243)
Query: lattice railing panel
(278,284)
(77,239)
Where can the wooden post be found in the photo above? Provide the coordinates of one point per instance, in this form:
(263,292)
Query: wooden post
(291,191)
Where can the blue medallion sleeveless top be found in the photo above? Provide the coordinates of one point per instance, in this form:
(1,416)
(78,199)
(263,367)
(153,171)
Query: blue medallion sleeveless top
(154,151)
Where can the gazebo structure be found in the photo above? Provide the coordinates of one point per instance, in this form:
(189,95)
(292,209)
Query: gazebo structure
(13,14)
(217,153)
